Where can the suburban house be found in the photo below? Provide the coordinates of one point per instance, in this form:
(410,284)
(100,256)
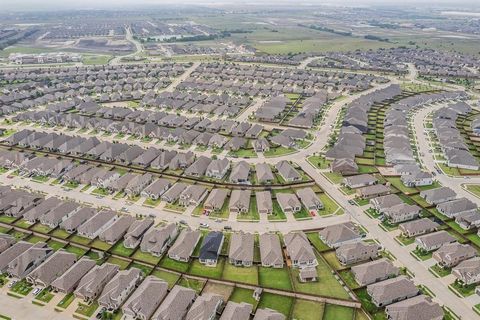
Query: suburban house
(117,229)
(218,168)
(380,204)
(455,207)
(92,284)
(94,226)
(240,173)
(176,304)
(264,202)
(358,181)
(419,307)
(205,307)
(374,271)
(299,250)
(134,234)
(309,199)
(156,240)
(6,241)
(211,247)
(172,194)
(468,271)
(68,281)
(351,253)
(55,266)
(417,179)
(270,250)
(308,274)
(146,299)
(433,241)
(118,289)
(27,261)
(264,173)
(237,311)
(340,234)
(12,253)
(77,219)
(241,249)
(287,172)
(192,195)
(215,200)
(239,201)
(468,220)
(155,190)
(402,212)
(183,247)
(451,254)
(438,195)
(418,227)
(288,202)
(373,191)
(199,167)
(58,214)
(391,291)
(344,166)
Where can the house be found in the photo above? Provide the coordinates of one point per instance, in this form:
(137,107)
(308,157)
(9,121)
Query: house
(373,191)
(308,275)
(211,247)
(58,214)
(261,145)
(418,227)
(218,168)
(116,230)
(468,271)
(374,271)
(135,232)
(172,194)
(118,289)
(309,199)
(264,173)
(215,200)
(6,241)
(68,281)
(268,314)
(344,166)
(417,179)
(433,241)
(451,254)
(299,250)
(27,261)
(13,253)
(419,307)
(237,311)
(240,173)
(468,220)
(455,207)
(402,212)
(288,202)
(166,157)
(340,234)
(239,201)
(156,240)
(199,167)
(94,226)
(192,195)
(55,266)
(270,250)
(382,203)
(92,284)
(264,202)
(184,246)
(146,299)
(358,181)
(205,307)
(241,249)
(176,304)
(78,218)
(155,190)
(438,195)
(351,253)
(283,141)
(137,184)
(287,172)
(392,290)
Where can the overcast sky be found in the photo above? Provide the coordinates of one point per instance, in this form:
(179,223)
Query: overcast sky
(119,4)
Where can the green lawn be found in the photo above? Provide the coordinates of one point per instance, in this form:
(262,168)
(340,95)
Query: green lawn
(282,304)
(319,162)
(330,206)
(76,250)
(405,240)
(278,151)
(336,312)
(369,306)
(397,183)
(45,296)
(474,188)
(171,264)
(252,213)
(23,224)
(302,310)
(41,228)
(466,290)
(22,287)
(60,233)
(335,178)
(87,310)
(198,269)
(18,235)
(146,270)
(146,257)
(80,240)
(317,242)
(243,295)
(274,278)
(123,264)
(349,279)
(7,219)
(35,239)
(66,301)
(71,184)
(56,245)
(240,274)
(332,260)
(100,245)
(191,283)
(421,254)
(169,277)
(120,250)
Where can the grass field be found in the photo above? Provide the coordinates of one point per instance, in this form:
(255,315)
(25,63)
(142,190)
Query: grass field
(198,269)
(120,249)
(191,283)
(302,310)
(336,312)
(243,295)
(170,264)
(66,301)
(274,278)
(146,257)
(169,277)
(240,274)
(282,304)
(123,264)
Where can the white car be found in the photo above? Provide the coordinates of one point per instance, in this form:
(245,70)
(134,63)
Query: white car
(36,291)
(203,225)
(11,284)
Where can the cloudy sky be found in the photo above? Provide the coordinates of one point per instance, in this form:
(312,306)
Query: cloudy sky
(118,4)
